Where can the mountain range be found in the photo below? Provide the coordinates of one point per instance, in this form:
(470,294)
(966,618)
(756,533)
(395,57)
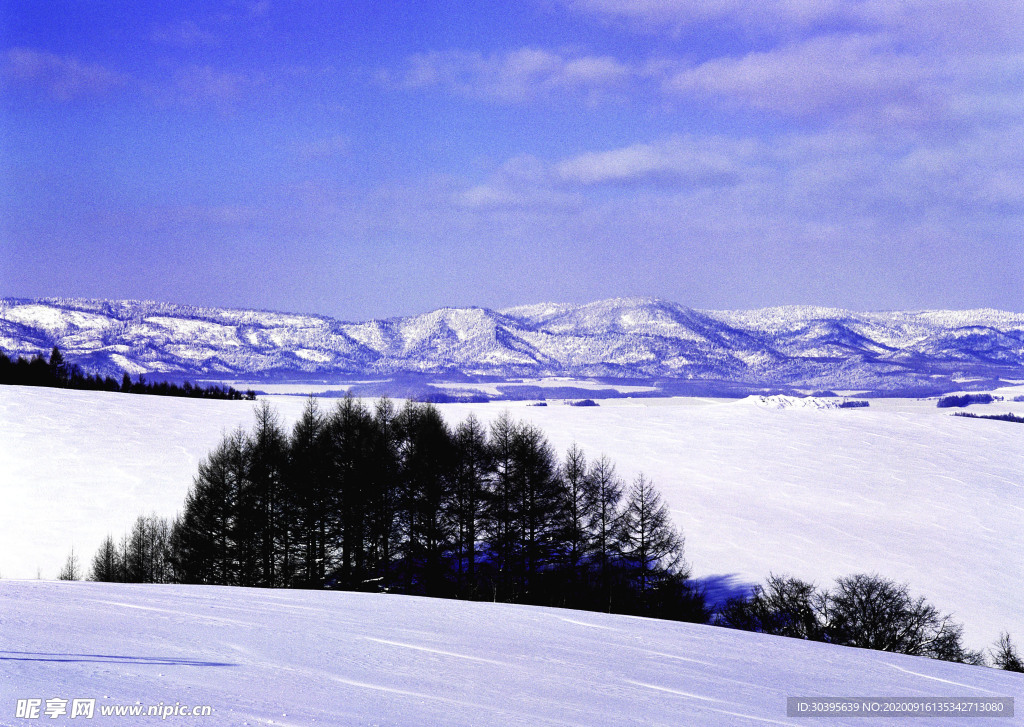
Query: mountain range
(618,340)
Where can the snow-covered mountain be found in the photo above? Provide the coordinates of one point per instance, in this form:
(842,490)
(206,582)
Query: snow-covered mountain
(635,338)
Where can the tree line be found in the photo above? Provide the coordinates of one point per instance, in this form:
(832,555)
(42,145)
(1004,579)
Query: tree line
(58,373)
(393,499)
(1008,417)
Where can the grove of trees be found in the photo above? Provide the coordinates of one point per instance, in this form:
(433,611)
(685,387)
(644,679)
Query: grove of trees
(389,499)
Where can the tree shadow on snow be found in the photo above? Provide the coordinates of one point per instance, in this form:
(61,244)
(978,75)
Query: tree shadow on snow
(106,659)
(720,588)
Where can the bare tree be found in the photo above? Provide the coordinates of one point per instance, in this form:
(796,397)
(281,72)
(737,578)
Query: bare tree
(71,570)
(872,612)
(1005,655)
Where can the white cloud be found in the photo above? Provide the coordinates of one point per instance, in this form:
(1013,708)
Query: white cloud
(208,86)
(62,78)
(980,23)
(523,182)
(514,76)
(824,74)
(868,80)
(186,34)
(759,17)
(678,161)
(889,72)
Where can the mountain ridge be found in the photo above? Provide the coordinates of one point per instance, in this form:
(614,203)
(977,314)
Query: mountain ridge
(618,338)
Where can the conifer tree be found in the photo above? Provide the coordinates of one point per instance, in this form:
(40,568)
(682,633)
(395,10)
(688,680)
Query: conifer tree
(428,472)
(386,496)
(472,477)
(267,456)
(106,564)
(58,368)
(649,541)
(578,511)
(538,502)
(207,547)
(308,495)
(605,523)
(499,509)
(348,447)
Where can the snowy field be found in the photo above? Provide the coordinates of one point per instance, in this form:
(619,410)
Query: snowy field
(300,658)
(901,488)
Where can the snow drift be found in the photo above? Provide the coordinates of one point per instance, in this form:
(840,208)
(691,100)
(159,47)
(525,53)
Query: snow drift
(300,658)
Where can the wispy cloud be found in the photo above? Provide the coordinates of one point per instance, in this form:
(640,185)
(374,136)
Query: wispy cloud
(186,34)
(878,74)
(58,77)
(870,61)
(514,76)
(324,148)
(64,79)
(842,176)
(829,74)
(761,17)
(870,80)
(211,87)
(981,22)
(678,161)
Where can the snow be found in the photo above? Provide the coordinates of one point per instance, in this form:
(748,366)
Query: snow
(900,488)
(75,466)
(260,657)
(310,355)
(127,365)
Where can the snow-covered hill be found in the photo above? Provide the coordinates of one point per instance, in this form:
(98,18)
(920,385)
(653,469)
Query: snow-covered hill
(620,338)
(261,657)
(900,488)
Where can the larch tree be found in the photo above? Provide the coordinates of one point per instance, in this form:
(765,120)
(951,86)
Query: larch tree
(649,541)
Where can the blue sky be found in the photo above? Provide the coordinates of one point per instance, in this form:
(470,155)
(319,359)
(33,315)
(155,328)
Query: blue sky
(374,159)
